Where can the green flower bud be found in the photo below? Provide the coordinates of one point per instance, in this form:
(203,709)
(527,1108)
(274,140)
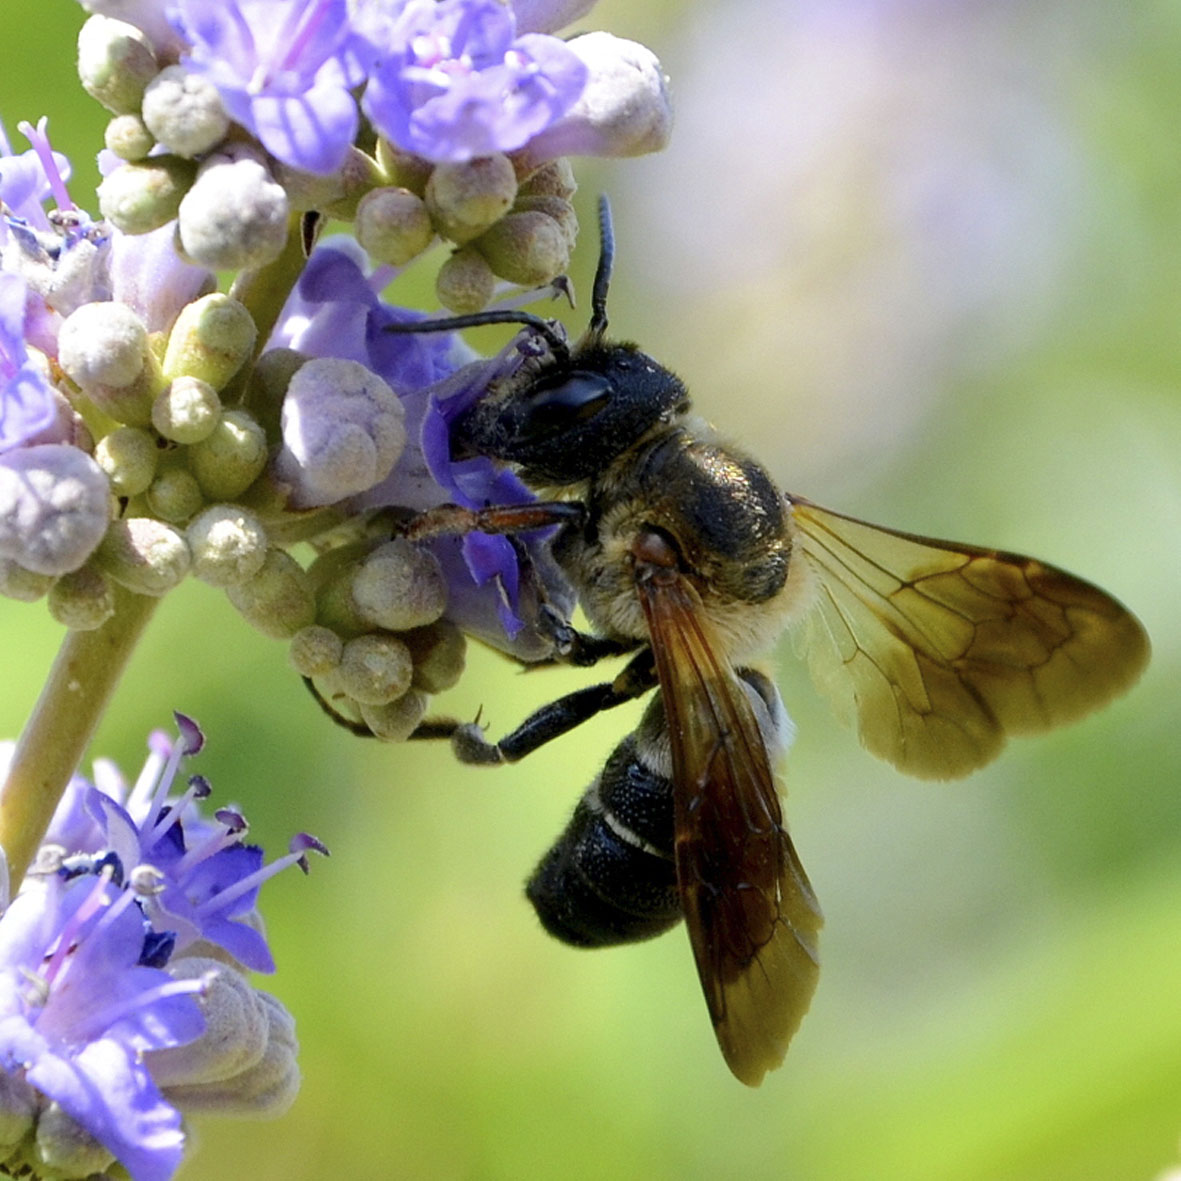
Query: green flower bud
(269,379)
(526,248)
(63,1148)
(144,555)
(465,199)
(174,495)
(187,410)
(140,197)
(555,178)
(228,544)
(26,586)
(183,111)
(210,340)
(315,651)
(278,601)
(397,721)
(393,225)
(229,459)
(235,215)
(375,669)
(128,138)
(556,207)
(399,586)
(128,456)
(438,652)
(465,282)
(403,169)
(82,600)
(115,63)
(18,1108)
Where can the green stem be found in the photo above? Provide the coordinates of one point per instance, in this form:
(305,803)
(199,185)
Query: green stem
(84,675)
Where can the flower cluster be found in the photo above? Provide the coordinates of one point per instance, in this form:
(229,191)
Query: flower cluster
(267,433)
(123,999)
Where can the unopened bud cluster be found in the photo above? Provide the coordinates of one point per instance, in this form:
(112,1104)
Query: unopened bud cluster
(508,217)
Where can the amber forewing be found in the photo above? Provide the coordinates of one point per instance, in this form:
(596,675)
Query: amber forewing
(938,650)
(750,911)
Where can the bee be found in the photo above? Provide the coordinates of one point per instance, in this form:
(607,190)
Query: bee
(686,556)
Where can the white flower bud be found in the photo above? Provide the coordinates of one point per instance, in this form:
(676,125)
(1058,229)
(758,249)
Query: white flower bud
(228,544)
(211,339)
(187,410)
(235,215)
(141,197)
(393,225)
(128,456)
(184,112)
(397,721)
(82,600)
(128,138)
(465,282)
(465,199)
(115,63)
(624,109)
(438,652)
(315,651)
(278,600)
(526,248)
(174,495)
(375,669)
(399,586)
(22,585)
(103,344)
(63,1148)
(229,459)
(144,555)
(343,431)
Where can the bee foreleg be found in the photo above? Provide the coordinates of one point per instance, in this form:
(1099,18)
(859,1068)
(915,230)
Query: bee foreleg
(581,649)
(498,518)
(557,717)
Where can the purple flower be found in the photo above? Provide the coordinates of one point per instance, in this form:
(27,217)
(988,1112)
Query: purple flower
(284,69)
(27,404)
(79,1008)
(25,182)
(457,82)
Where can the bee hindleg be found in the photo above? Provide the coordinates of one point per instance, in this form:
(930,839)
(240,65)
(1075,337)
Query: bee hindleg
(557,717)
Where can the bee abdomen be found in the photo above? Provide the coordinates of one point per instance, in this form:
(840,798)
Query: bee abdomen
(610,877)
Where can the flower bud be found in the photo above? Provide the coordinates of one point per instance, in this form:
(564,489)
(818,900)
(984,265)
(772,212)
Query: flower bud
(174,495)
(438,652)
(526,248)
(278,600)
(186,410)
(555,178)
(184,112)
(465,282)
(229,459)
(235,215)
(465,199)
(63,1148)
(128,455)
(393,225)
(403,169)
(228,544)
(397,721)
(128,138)
(269,379)
(144,555)
(399,586)
(18,1107)
(343,431)
(315,651)
(115,63)
(23,585)
(211,339)
(141,197)
(375,669)
(82,600)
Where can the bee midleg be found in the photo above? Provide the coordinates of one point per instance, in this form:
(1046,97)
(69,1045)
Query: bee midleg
(557,717)
(429,728)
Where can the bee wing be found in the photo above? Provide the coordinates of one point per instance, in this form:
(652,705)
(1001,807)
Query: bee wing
(939,650)
(750,911)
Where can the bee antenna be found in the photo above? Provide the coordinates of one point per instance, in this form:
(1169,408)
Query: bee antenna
(598,321)
(549,330)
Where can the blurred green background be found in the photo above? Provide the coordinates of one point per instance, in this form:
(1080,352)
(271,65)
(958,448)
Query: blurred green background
(925,257)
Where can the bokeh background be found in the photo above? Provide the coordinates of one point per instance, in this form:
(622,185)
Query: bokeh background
(924,256)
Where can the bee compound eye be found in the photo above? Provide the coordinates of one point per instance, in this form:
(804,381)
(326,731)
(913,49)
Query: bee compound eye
(562,403)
